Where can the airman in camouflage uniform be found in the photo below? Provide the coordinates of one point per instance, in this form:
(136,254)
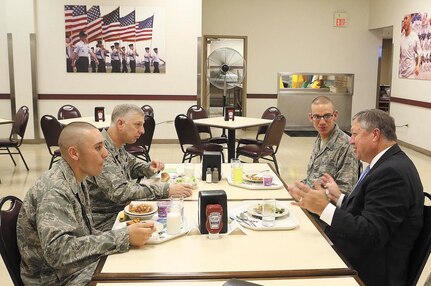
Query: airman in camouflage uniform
(115,187)
(332,152)
(56,237)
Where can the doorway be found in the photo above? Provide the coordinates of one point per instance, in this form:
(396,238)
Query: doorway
(384,76)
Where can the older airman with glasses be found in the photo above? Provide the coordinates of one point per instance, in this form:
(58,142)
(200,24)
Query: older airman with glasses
(332,153)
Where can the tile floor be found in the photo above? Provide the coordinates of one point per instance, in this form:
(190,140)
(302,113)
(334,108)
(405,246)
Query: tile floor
(293,156)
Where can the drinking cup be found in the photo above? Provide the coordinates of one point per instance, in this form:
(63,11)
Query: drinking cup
(268,212)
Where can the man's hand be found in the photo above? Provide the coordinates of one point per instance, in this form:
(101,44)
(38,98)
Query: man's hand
(184,190)
(313,200)
(157,166)
(139,233)
(332,189)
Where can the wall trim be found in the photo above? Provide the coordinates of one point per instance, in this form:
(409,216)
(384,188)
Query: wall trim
(261,95)
(117,97)
(411,102)
(4,95)
(415,148)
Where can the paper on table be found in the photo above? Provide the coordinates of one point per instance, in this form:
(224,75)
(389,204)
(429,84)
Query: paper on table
(233,228)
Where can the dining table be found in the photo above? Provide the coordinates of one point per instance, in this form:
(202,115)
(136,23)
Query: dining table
(239,122)
(5,121)
(89,119)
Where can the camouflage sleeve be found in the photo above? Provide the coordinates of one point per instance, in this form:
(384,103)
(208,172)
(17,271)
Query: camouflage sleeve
(64,237)
(347,171)
(121,190)
(138,168)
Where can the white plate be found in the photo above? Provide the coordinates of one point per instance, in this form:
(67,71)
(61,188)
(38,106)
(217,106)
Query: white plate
(256,180)
(276,184)
(141,215)
(251,209)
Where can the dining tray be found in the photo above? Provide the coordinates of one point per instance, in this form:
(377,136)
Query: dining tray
(160,235)
(276,182)
(287,222)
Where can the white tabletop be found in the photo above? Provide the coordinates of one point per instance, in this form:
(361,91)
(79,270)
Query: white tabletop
(239,122)
(89,119)
(233,192)
(5,121)
(300,252)
(330,281)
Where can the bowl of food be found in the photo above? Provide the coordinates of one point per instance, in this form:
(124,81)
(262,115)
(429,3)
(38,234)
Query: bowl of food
(141,210)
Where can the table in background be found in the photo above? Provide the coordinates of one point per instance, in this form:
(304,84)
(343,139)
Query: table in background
(233,192)
(231,126)
(301,252)
(89,119)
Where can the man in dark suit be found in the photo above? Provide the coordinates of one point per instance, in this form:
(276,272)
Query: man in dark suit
(375,226)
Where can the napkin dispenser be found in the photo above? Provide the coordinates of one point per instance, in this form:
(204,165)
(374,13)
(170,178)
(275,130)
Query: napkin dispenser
(229,113)
(211,159)
(99,114)
(211,197)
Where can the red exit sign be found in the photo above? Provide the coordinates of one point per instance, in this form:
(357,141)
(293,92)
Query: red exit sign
(340,19)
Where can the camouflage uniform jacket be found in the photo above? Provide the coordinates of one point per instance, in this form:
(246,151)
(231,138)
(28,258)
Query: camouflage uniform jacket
(337,159)
(115,187)
(56,238)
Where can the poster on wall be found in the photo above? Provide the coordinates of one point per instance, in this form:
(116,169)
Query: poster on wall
(415,46)
(106,39)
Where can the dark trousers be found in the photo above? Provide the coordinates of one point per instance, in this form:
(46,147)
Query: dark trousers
(147,67)
(102,66)
(69,67)
(124,63)
(156,67)
(93,66)
(82,64)
(132,66)
(116,66)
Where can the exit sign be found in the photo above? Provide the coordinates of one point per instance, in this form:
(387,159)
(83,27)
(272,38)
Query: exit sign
(340,19)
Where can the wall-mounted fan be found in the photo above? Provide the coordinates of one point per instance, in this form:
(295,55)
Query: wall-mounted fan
(226,70)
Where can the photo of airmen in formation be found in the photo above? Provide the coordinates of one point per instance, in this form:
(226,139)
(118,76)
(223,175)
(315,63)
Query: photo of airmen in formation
(82,57)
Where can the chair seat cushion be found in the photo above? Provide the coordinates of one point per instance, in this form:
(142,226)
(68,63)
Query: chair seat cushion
(253,151)
(57,153)
(216,140)
(206,146)
(249,141)
(8,143)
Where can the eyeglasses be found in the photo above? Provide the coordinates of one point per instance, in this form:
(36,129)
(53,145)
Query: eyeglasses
(317,117)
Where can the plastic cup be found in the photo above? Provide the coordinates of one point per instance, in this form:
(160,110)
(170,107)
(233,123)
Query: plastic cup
(267,180)
(268,212)
(162,209)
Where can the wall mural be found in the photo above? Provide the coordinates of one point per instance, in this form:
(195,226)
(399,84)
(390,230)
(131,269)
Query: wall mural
(415,46)
(107,39)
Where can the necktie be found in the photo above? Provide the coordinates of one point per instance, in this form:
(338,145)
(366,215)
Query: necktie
(364,173)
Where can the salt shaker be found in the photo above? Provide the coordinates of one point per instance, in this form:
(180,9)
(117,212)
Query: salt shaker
(215,175)
(208,177)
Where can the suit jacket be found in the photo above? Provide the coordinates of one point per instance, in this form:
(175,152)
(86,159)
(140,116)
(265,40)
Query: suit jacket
(376,226)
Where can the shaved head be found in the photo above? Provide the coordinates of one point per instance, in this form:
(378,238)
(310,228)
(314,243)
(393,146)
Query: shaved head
(322,100)
(73,135)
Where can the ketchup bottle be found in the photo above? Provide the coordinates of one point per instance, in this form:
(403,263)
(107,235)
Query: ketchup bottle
(214,223)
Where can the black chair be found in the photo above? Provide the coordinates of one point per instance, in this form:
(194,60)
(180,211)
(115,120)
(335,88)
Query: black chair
(190,142)
(68,111)
(270,113)
(8,240)
(16,135)
(198,112)
(269,145)
(141,148)
(148,110)
(51,129)
(421,249)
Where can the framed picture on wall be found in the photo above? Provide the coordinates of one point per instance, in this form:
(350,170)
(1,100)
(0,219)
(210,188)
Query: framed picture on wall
(415,46)
(106,39)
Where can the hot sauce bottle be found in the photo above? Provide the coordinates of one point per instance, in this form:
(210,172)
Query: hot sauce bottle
(214,223)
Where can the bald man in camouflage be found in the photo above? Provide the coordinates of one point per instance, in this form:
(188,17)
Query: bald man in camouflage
(56,237)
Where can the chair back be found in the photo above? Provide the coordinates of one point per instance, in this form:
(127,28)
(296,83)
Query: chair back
(187,132)
(148,110)
(270,113)
(68,111)
(274,133)
(421,249)
(51,129)
(8,240)
(20,124)
(146,138)
(198,112)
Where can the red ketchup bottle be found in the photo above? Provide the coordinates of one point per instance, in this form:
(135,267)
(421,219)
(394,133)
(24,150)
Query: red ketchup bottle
(214,222)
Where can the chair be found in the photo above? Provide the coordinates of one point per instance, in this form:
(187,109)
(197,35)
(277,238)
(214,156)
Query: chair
(269,145)
(148,110)
(141,148)
(197,112)
(190,142)
(270,113)
(421,249)
(68,111)
(8,241)
(18,130)
(51,129)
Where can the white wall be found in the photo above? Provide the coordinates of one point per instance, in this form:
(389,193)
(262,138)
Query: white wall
(415,117)
(288,35)
(5,110)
